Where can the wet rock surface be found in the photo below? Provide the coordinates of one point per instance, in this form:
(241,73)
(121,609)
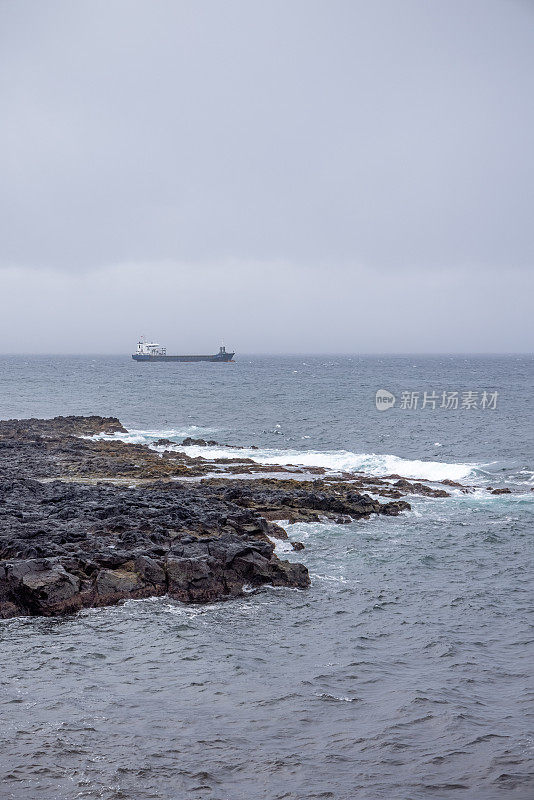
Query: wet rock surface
(305,501)
(94,521)
(59,426)
(65,546)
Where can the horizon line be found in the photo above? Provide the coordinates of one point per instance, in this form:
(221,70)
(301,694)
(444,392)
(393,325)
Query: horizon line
(296,353)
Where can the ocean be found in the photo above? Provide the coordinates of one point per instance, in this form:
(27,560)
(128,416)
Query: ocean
(404,673)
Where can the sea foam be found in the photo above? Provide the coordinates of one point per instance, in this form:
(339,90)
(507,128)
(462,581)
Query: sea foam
(345,461)
(142,436)
(333,460)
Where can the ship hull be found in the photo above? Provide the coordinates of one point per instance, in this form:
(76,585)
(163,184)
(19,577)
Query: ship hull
(218,358)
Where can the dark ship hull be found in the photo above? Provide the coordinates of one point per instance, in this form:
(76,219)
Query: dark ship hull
(218,358)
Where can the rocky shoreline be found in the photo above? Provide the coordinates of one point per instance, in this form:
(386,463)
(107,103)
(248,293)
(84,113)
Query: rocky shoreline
(90,522)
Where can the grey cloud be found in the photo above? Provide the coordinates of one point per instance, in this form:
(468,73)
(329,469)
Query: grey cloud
(397,135)
(295,176)
(265,307)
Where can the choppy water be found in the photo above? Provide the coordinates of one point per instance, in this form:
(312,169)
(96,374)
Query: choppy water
(405,671)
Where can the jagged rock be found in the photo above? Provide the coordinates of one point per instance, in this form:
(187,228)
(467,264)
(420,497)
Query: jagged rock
(119,582)
(420,488)
(65,546)
(60,426)
(301,501)
(37,586)
(394,509)
(189,442)
(78,542)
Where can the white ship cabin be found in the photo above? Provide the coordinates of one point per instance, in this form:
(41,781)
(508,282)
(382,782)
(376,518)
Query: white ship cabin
(150,349)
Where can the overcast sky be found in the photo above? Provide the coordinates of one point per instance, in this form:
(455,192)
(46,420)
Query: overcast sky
(291,176)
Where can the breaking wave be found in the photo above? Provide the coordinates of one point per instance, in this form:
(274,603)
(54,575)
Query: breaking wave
(332,460)
(141,436)
(345,461)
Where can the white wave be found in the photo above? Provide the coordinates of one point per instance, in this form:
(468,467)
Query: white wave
(329,578)
(334,460)
(281,546)
(326,696)
(141,436)
(345,461)
(527,477)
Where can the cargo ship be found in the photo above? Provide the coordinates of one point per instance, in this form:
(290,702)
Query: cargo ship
(152,351)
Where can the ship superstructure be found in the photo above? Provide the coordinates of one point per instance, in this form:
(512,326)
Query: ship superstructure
(150,349)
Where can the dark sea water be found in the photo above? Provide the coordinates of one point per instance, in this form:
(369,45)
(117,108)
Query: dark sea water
(405,672)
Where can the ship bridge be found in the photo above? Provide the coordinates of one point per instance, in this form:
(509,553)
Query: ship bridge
(150,348)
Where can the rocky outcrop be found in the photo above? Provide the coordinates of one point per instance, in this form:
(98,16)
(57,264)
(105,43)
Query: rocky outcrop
(37,586)
(67,546)
(211,442)
(419,488)
(199,442)
(91,522)
(304,501)
(59,426)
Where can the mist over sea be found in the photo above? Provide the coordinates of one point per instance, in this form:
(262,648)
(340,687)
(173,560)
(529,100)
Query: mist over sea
(405,672)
